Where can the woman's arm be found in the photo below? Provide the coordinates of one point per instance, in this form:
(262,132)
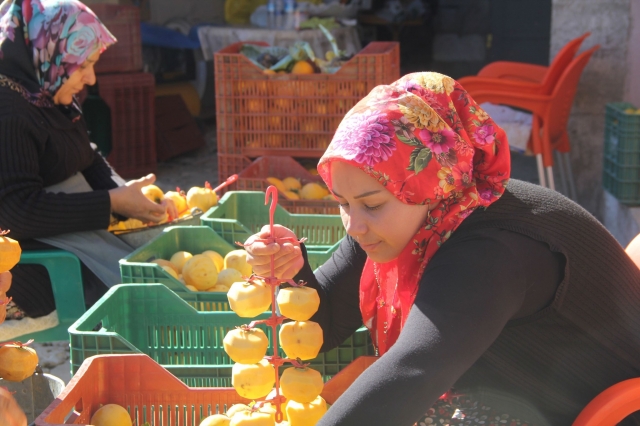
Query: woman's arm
(25,208)
(337,283)
(100,175)
(469,291)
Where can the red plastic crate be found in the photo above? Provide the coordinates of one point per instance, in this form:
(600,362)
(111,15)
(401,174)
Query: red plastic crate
(152,394)
(124,23)
(287,114)
(176,129)
(131,98)
(230,165)
(253,178)
(148,391)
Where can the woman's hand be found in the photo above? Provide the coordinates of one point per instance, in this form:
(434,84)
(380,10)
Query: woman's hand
(170,207)
(129,201)
(288,255)
(10,412)
(5,284)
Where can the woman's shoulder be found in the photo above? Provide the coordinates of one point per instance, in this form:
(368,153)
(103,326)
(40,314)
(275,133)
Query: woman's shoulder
(15,110)
(532,203)
(538,213)
(13,104)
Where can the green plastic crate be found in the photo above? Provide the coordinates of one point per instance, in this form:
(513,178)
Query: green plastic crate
(240,214)
(621,159)
(151,319)
(137,267)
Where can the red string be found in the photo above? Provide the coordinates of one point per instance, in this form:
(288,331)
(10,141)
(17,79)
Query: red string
(274,320)
(13,342)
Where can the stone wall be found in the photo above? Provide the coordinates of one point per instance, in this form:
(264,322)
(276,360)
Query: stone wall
(621,220)
(602,81)
(632,86)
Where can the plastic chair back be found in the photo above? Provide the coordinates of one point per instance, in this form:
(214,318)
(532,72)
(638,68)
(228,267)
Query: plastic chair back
(612,405)
(66,280)
(564,94)
(562,59)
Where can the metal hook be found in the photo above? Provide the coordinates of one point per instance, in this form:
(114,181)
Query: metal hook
(227,182)
(273,192)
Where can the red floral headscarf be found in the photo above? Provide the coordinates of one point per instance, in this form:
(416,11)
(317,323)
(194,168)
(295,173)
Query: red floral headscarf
(425,140)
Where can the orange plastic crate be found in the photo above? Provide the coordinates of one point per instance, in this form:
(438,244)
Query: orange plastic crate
(229,165)
(286,114)
(131,98)
(152,394)
(253,178)
(124,23)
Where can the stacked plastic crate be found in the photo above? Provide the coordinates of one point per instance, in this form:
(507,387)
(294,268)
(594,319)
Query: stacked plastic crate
(290,115)
(621,159)
(129,92)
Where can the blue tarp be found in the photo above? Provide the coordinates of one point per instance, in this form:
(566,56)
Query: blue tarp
(155,35)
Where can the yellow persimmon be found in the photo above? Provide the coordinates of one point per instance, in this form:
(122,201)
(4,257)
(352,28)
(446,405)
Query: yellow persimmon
(298,303)
(301,339)
(246,345)
(216,420)
(10,252)
(17,362)
(237,259)
(306,413)
(202,198)
(216,257)
(111,415)
(253,381)
(252,418)
(249,299)
(301,384)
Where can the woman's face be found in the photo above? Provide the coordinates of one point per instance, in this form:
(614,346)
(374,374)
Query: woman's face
(373,216)
(74,85)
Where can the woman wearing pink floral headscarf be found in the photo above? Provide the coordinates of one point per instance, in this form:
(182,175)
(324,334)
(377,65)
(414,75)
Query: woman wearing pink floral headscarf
(53,184)
(489,301)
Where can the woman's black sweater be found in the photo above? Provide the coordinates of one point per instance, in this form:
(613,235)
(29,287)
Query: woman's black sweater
(531,297)
(41,147)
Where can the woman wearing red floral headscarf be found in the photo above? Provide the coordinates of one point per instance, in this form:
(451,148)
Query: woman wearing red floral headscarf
(484,297)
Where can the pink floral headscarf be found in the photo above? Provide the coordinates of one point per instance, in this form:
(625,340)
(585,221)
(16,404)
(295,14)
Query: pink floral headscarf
(58,36)
(425,140)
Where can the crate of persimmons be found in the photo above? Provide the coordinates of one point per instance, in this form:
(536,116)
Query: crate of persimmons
(193,261)
(301,190)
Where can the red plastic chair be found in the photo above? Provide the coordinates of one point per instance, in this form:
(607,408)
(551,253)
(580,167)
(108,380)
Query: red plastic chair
(523,76)
(520,77)
(550,111)
(612,405)
(618,401)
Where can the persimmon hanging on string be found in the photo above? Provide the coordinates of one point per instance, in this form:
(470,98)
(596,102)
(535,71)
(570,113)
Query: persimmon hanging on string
(10,252)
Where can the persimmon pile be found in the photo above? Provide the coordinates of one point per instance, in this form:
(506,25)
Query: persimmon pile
(293,189)
(201,198)
(207,271)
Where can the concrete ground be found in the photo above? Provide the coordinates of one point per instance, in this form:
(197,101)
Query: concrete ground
(192,168)
(54,358)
